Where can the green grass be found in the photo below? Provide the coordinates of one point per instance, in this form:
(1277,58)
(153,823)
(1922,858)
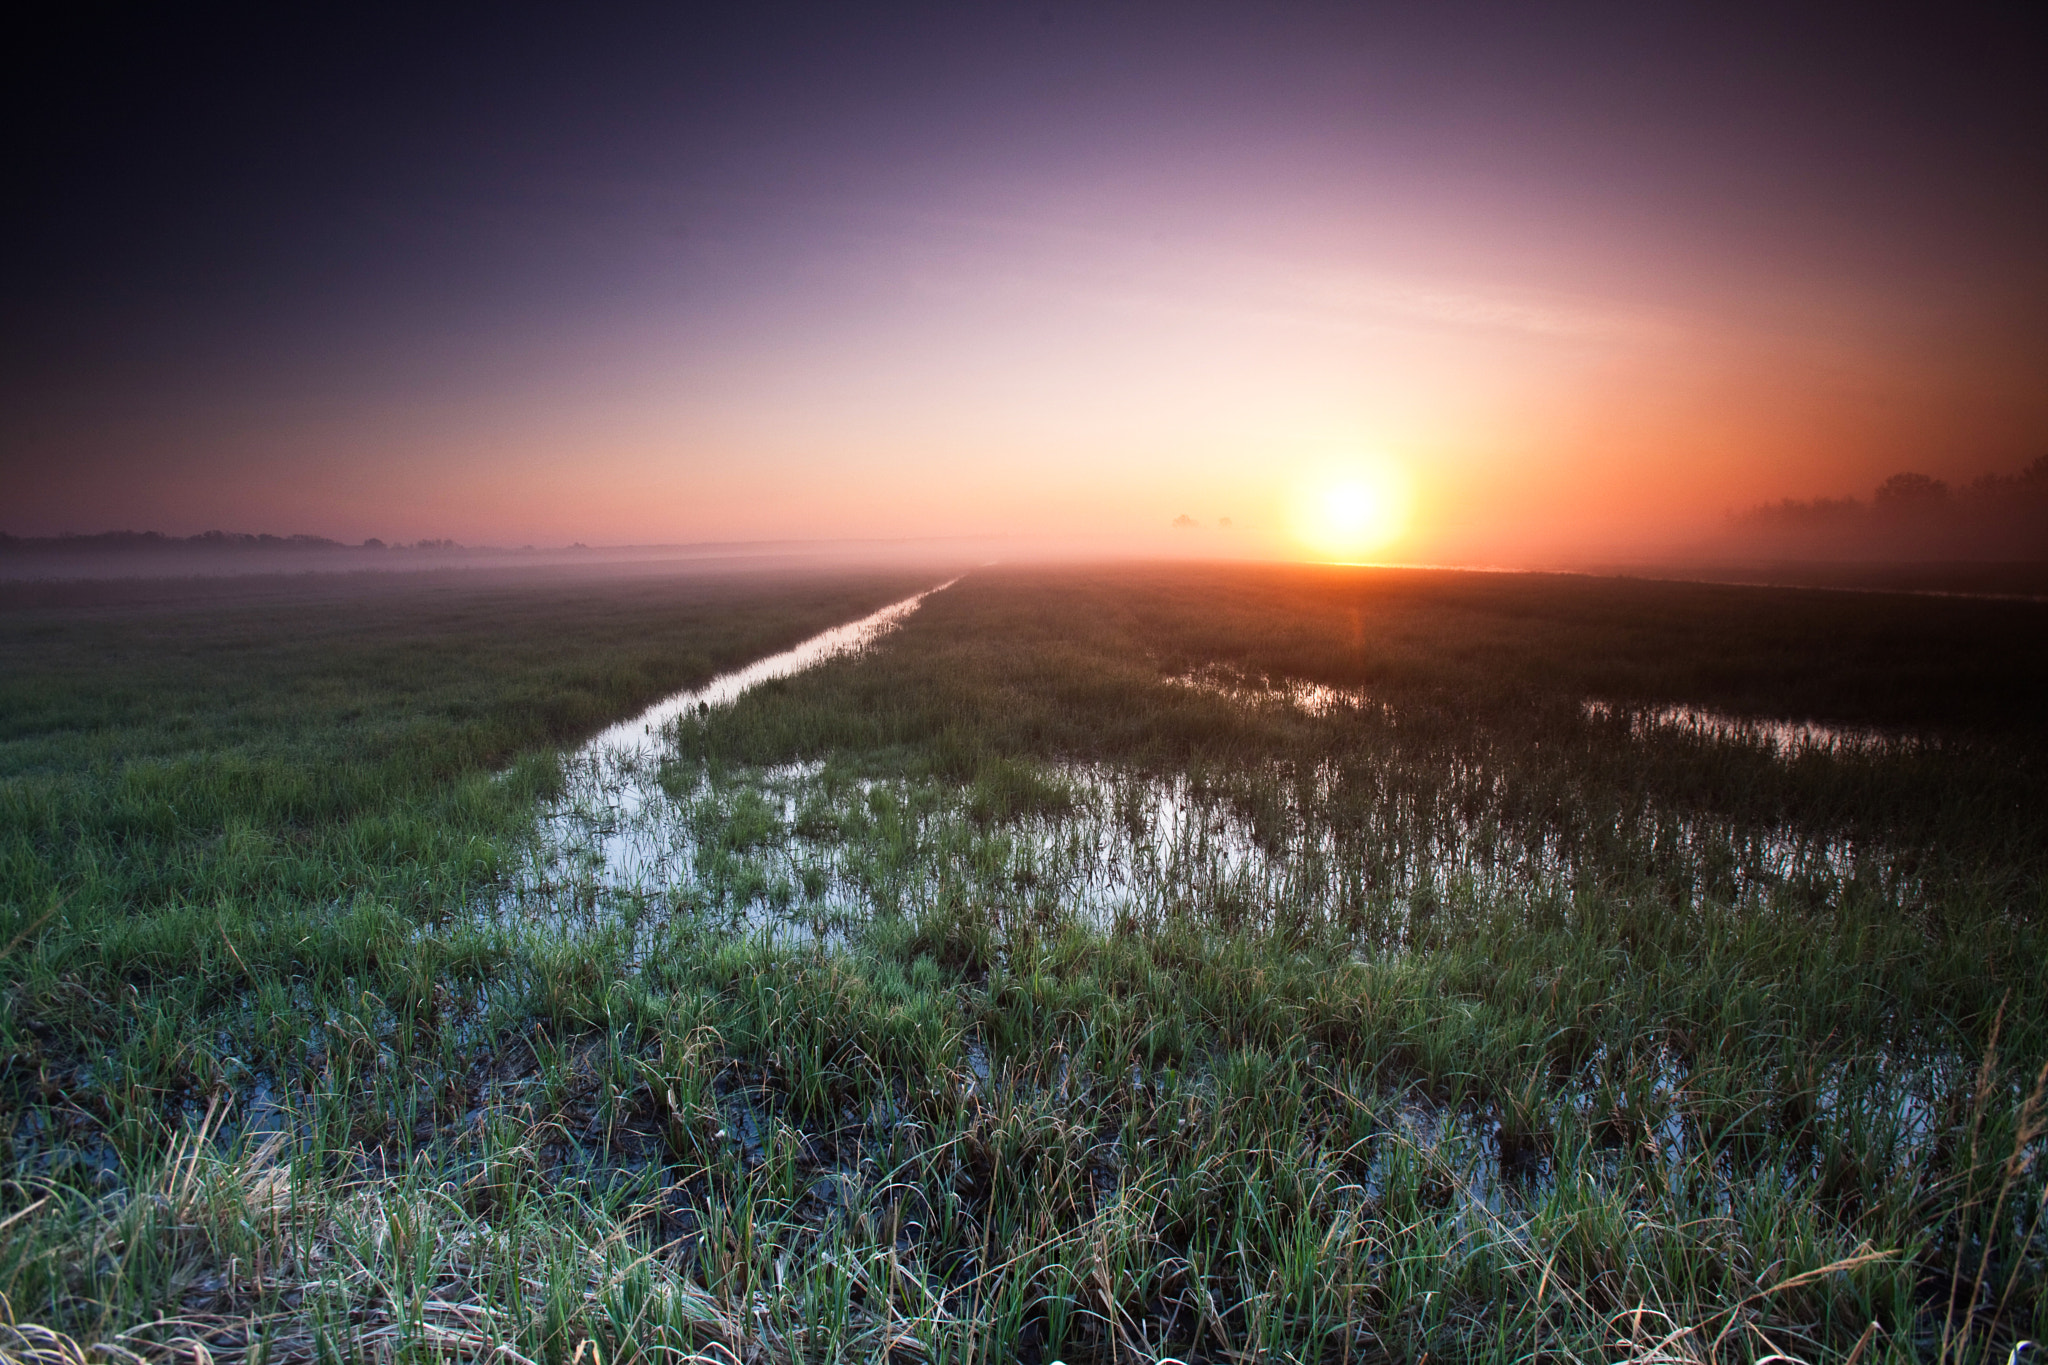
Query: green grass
(874,1079)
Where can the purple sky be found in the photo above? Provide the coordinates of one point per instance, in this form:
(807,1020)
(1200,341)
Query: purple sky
(1581,277)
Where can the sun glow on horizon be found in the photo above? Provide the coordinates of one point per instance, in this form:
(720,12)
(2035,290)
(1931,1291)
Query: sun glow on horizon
(1351,512)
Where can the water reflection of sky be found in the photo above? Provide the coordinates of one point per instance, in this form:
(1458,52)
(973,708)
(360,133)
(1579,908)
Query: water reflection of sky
(791,850)
(1785,737)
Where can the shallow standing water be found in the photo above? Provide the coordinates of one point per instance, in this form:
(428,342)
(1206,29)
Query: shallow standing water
(641,735)
(799,855)
(597,832)
(1786,738)
(789,852)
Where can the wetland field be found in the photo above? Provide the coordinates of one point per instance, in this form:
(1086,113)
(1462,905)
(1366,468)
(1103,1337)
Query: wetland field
(1087,963)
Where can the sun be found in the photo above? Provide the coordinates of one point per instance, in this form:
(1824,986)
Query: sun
(1351,513)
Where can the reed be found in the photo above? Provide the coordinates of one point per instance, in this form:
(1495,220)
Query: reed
(1065,977)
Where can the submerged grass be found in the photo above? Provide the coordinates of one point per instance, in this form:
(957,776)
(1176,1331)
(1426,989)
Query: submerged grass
(1449,1020)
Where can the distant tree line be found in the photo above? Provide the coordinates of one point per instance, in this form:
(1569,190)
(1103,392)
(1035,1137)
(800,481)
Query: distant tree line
(120,542)
(1910,516)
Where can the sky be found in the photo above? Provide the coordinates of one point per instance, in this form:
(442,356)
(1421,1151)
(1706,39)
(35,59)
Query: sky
(1439,283)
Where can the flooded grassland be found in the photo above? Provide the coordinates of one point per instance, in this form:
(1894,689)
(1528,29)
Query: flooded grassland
(1193,964)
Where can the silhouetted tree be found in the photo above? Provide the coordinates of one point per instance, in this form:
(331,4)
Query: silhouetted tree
(1910,516)
(1910,494)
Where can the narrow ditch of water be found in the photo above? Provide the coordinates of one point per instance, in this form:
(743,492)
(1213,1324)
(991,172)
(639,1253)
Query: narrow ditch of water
(594,834)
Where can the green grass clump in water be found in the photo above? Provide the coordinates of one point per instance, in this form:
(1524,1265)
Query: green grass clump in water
(1655,1101)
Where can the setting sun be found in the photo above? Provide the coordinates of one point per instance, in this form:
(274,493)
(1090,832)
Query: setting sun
(1353,513)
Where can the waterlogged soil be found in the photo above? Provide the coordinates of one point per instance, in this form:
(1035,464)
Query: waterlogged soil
(653,854)
(578,833)
(796,850)
(1470,1013)
(1784,738)
(802,850)
(656,854)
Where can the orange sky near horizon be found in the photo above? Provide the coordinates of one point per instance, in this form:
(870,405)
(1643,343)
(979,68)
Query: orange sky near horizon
(1079,318)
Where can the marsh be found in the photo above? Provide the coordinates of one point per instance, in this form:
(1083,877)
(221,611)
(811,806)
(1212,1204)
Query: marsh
(1101,962)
